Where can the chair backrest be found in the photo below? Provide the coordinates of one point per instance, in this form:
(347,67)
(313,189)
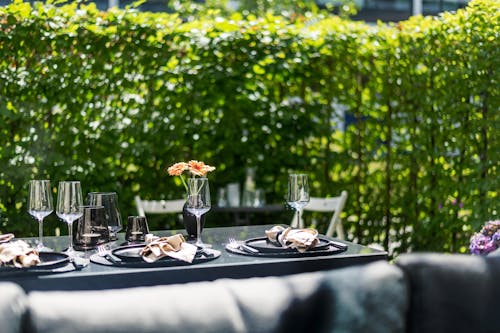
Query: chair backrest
(158,206)
(326,205)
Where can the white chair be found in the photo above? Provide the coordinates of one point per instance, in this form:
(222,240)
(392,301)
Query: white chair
(158,206)
(326,205)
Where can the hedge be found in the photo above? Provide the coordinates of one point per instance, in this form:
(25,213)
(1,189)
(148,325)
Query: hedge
(113,98)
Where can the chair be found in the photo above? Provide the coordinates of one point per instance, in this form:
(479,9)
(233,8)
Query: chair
(158,206)
(326,205)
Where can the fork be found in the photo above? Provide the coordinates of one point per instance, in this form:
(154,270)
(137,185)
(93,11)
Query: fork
(103,251)
(233,243)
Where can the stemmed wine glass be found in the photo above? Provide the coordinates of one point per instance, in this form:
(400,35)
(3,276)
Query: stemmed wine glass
(198,203)
(40,206)
(69,207)
(298,193)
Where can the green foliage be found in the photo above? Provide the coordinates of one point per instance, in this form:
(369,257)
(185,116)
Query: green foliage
(112,98)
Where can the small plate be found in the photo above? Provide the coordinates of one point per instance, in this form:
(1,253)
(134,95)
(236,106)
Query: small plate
(264,245)
(129,252)
(48,260)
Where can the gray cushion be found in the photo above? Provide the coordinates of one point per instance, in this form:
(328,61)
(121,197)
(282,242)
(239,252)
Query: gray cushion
(452,293)
(12,307)
(344,300)
(371,298)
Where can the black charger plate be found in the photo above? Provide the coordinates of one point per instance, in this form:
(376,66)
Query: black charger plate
(266,248)
(264,245)
(130,257)
(48,261)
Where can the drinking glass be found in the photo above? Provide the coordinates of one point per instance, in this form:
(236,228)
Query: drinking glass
(110,202)
(198,203)
(137,229)
(40,205)
(69,207)
(91,228)
(298,193)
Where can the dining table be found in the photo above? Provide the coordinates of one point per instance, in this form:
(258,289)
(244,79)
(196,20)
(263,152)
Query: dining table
(225,264)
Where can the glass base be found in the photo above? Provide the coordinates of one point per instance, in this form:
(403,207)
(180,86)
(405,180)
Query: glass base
(71,252)
(202,245)
(43,248)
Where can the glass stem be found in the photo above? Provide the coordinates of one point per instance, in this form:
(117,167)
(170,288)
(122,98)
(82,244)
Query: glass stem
(299,214)
(198,231)
(70,234)
(40,233)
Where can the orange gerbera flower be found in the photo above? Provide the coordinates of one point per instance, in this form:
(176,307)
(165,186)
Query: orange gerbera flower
(195,168)
(177,169)
(198,168)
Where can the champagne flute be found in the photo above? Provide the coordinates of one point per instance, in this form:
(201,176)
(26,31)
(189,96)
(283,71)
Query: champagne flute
(40,205)
(198,203)
(298,193)
(69,207)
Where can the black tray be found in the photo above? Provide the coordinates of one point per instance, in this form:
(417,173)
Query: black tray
(48,261)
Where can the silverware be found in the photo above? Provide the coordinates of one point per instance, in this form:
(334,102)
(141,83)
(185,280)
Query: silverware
(338,245)
(233,243)
(103,251)
(79,263)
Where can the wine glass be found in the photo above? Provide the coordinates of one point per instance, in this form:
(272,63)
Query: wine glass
(298,193)
(40,205)
(198,203)
(69,207)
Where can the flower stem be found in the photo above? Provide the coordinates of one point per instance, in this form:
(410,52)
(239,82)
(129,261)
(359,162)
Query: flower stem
(184,183)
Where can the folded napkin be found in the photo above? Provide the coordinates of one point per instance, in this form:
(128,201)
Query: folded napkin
(174,246)
(6,238)
(19,254)
(300,239)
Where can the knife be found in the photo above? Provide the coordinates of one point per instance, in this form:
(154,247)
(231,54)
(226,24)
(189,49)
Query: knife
(338,245)
(248,249)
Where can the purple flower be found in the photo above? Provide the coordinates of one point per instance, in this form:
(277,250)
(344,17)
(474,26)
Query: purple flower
(487,240)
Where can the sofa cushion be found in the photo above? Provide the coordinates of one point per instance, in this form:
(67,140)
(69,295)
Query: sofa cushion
(452,293)
(12,307)
(345,300)
(371,298)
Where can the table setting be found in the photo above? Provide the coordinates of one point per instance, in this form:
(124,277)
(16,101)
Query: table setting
(286,242)
(154,252)
(18,258)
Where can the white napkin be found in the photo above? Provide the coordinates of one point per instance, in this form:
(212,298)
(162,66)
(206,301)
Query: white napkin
(300,239)
(6,238)
(19,254)
(174,246)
